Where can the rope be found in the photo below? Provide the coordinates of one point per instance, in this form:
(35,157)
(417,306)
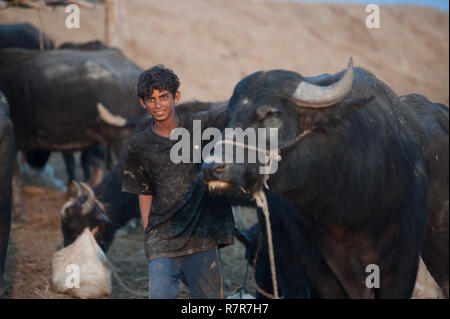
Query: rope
(260,290)
(273,154)
(261,201)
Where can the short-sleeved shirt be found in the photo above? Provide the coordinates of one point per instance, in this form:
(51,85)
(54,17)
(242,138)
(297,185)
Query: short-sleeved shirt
(184,217)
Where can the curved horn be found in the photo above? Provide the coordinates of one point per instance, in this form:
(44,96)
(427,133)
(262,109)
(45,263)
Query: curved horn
(65,206)
(109,118)
(89,204)
(315,96)
(77,188)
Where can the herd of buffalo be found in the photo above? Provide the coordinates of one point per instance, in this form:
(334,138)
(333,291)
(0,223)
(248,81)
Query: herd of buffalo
(362,180)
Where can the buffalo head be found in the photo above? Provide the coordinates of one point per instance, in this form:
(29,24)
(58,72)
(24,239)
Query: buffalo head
(298,108)
(83,211)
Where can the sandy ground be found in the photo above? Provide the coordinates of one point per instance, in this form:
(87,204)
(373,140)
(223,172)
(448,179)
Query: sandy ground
(212,44)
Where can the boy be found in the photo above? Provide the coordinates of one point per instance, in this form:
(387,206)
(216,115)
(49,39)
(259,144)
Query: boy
(183,225)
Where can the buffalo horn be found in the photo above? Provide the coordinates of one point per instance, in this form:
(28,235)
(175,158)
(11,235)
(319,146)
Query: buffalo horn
(89,204)
(316,96)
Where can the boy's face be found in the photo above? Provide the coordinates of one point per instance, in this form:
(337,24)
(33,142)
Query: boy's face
(161,104)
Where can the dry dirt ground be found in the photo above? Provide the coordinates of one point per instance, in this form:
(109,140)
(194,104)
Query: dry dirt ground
(212,44)
(28,266)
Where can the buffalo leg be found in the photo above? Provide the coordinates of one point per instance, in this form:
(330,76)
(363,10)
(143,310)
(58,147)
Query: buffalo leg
(69,161)
(92,161)
(86,163)
(19,215)
(6,168)
(435,247)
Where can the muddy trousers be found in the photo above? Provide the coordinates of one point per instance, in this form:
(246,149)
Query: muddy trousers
(201,272)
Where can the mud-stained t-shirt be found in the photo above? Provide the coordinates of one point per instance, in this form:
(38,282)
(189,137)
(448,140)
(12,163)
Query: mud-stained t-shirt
(184,217)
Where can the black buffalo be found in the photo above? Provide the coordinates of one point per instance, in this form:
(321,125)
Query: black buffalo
(25,36)
(362,169)
(87,46)
(6,168)
(105,206)
(90,156)
(56,107)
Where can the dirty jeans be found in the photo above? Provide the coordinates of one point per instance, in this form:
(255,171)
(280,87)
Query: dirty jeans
(201,272)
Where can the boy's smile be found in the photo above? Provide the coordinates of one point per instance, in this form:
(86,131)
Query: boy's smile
(161,106)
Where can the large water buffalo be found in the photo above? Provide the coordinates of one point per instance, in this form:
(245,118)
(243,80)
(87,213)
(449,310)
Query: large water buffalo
(6,168)
(105,206)
(363,171)
(56,107)
(59,105)
(27,36)
(90,157)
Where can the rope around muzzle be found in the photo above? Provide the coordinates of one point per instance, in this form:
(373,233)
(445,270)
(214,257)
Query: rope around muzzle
(261,200)
(272,154)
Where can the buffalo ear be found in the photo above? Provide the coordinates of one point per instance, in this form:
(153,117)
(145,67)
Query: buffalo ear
(336,114)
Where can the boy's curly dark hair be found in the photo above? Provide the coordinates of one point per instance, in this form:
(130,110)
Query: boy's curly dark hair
(159,78)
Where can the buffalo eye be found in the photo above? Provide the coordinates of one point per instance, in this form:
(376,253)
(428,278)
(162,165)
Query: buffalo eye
(273,113)
(268,112)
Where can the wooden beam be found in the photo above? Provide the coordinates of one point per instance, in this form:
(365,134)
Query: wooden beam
(82,3)
(110,22)
(30,4)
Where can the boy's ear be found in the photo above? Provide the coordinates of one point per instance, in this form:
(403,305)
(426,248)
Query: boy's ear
(177,97)
(141,101)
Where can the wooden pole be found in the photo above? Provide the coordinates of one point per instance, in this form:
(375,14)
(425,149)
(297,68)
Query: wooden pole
(41,30)
(110,22)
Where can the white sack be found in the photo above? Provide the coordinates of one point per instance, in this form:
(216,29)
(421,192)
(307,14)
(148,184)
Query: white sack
(86,258)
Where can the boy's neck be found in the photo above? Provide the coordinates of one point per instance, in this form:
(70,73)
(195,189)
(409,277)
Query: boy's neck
(165,127)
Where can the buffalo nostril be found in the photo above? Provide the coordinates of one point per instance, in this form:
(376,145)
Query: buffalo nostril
(219,168)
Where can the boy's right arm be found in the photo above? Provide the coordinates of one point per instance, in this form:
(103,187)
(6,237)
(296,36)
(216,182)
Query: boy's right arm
(145,202)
